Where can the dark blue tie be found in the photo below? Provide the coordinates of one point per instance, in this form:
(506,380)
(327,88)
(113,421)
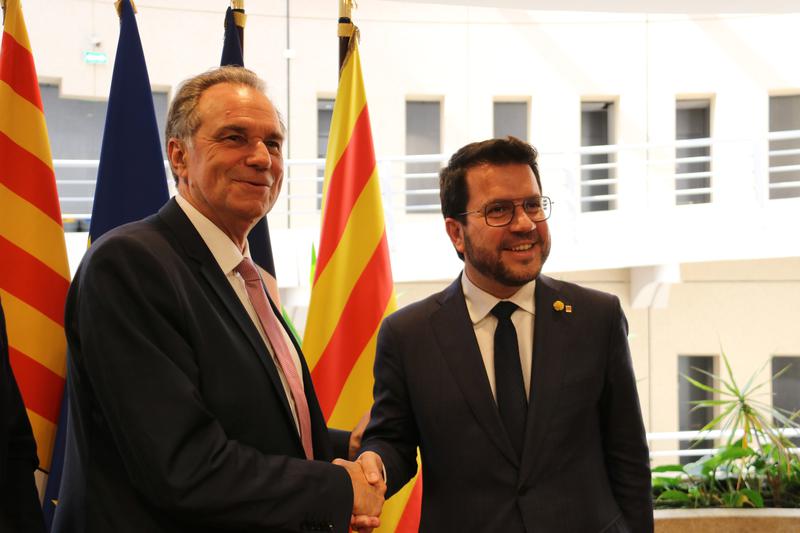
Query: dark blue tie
(511,399)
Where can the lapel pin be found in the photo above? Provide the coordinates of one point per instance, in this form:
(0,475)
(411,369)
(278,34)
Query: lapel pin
(569,309)
(558,305)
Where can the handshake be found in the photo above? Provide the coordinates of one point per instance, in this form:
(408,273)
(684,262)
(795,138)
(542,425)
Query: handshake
(366,475)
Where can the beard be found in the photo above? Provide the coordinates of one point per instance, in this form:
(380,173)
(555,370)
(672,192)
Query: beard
(490,264)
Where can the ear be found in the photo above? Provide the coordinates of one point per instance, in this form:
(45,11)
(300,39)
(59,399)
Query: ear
(177,155)
(455,230)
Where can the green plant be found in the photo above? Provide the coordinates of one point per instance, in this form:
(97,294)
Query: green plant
(756,467)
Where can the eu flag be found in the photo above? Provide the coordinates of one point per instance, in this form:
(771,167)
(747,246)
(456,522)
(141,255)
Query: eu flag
(131,181)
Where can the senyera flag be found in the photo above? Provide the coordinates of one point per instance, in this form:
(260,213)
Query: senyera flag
(352,286)
(34,273)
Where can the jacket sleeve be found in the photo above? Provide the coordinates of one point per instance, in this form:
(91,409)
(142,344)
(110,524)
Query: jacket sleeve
(392,432)
(624,441)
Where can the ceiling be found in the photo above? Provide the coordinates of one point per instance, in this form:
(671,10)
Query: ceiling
(636,6)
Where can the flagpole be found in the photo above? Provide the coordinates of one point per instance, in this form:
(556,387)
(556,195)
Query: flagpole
(237,6)
(345,29)
(118,6)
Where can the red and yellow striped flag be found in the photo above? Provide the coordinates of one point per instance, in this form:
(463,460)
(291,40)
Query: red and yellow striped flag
(34,273)
(353,289)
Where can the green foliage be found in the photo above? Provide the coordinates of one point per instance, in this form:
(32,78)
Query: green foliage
(756,467)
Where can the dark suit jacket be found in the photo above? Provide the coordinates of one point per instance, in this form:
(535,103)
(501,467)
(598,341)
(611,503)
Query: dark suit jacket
(584,468)
(19,502)
(179,421)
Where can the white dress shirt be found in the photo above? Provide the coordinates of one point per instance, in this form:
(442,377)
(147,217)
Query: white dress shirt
(228,257)
(479,307)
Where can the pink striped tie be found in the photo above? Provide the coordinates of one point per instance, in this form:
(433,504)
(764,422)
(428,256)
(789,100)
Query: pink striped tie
(274,332)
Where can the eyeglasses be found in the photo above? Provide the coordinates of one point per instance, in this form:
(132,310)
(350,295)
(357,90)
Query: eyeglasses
(501,212)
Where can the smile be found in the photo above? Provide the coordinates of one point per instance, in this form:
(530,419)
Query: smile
(253,183)
(521,247)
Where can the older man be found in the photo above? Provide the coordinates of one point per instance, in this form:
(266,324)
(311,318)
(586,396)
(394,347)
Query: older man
(192,407)
(517,388)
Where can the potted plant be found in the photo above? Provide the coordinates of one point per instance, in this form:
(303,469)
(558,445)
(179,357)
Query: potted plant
(756,468)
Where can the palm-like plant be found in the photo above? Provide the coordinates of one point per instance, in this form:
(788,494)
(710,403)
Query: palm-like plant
(757,463)
(741,412)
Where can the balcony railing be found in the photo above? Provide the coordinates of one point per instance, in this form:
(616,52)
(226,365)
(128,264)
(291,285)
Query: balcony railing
(660,443)
(595,186)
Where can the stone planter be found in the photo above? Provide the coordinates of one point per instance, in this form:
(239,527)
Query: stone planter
(770,520)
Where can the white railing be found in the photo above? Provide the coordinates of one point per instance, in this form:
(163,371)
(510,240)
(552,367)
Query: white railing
(634,218)
(790,159)
(653,163)
(692,436)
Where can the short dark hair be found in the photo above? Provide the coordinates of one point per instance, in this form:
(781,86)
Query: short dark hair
(453,191)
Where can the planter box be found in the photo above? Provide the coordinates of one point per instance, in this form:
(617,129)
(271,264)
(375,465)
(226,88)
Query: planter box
(728,521)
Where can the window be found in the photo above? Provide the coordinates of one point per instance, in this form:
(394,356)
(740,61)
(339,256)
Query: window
(511,118)
(693,163)
(784,115)
(689,417)
(324,118)
(423,136)
(598,173)
(786,387)
(75,128)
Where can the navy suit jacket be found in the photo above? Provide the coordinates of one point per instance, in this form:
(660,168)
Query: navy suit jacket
(179,421)
(584,466)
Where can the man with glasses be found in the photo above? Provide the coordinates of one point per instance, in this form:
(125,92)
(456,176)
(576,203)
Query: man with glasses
(517,388)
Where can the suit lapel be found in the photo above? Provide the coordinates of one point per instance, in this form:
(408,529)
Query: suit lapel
(456,338)
(196,249)
(550,335)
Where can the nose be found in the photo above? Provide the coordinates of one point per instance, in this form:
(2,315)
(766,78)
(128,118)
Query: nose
(259,156)
(520,221)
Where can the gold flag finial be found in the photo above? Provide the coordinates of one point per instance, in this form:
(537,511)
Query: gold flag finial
(118,5)
(346,7)
(239,18)
(346,27)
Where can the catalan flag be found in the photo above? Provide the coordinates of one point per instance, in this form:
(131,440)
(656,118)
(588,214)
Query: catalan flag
(352,286)
(34,273)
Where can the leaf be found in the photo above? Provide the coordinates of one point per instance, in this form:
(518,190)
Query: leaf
(665,482)
(729,453)
(747,385)
(709,403)
(733,499)
(702,386)
(753,497)
(667,468)
(697,468)
(728,367)
(673,495)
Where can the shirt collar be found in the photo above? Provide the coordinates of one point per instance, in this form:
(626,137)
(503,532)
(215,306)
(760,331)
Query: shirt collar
(480,302)
(224,250)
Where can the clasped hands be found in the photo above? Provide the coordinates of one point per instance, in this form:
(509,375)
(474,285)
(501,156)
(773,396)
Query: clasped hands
(369,487)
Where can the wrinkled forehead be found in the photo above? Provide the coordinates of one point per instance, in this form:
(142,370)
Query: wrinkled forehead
(228,101)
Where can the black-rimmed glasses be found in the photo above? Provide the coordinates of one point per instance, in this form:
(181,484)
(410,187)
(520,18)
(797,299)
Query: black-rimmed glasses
(501,212)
